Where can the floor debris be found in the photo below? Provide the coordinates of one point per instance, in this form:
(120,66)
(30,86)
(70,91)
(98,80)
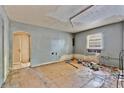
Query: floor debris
(62,75)
(69,62)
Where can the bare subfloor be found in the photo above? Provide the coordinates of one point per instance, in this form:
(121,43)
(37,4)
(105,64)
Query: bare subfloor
(61,75)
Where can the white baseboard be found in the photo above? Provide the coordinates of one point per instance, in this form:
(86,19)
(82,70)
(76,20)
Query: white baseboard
(46,63)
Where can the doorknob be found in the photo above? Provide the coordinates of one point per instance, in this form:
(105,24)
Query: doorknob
(19,50)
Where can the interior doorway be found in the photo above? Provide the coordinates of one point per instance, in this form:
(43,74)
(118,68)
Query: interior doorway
(21,50)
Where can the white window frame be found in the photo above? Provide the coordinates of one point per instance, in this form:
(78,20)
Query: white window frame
(95,38)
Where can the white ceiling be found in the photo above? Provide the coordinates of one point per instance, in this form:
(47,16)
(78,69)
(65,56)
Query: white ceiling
(98,16)
(57,16)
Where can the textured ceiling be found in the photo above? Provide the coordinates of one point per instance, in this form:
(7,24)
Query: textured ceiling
(57,16)
(50,16)
(98,16)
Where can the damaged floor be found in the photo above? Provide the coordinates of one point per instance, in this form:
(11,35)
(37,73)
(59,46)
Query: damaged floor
(61,75)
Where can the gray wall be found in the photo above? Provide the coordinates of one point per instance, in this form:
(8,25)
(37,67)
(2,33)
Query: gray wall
(4,61)
(1,53)
(112,35)
(42,45)
(44,42)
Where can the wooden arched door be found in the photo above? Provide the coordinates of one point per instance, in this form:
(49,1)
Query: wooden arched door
(21,50)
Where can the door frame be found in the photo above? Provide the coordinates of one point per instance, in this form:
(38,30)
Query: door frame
(3,62)
(19,33)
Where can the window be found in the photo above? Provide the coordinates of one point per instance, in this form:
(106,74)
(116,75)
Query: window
(95,41)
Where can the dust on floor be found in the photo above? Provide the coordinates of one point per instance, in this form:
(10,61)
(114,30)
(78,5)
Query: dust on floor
(61,75)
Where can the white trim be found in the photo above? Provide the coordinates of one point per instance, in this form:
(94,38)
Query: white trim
(46,63)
